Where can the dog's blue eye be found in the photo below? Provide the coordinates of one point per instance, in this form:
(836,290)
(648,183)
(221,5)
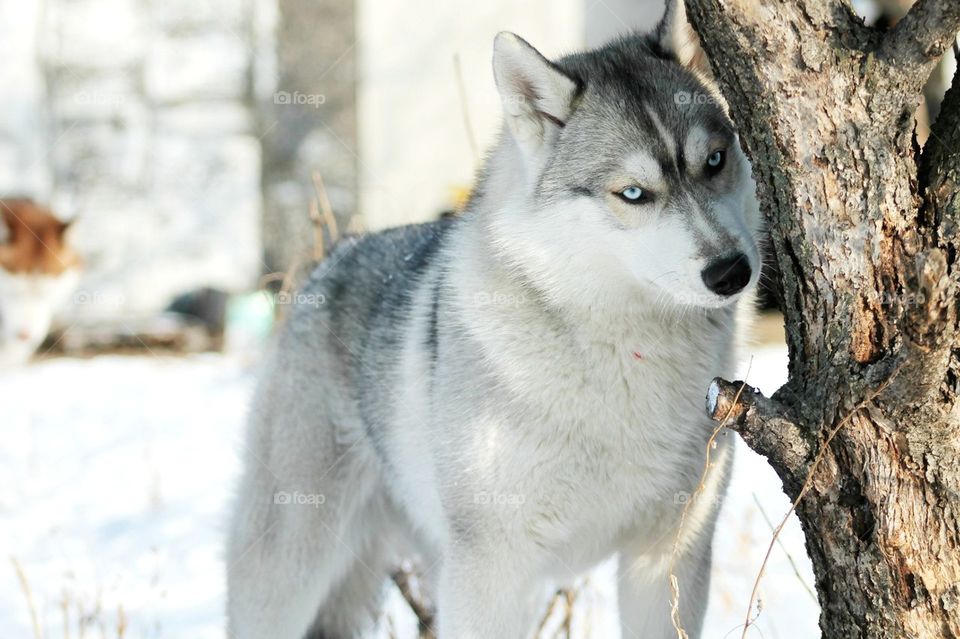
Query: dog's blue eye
(715,162)
(632,193)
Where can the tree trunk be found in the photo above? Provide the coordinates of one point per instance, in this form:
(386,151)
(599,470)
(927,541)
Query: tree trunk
(309,125)
(865,231)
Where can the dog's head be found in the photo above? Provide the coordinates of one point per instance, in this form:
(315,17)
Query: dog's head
(631,162)
(37,272)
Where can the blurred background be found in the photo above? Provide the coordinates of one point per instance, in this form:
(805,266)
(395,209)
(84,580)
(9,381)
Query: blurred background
(183,137)
(191,161)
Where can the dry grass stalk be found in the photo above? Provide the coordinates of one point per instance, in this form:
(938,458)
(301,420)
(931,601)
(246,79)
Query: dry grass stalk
(793,563)
(329,220)
(565,596)
(546,617)
(290,276)
(122,623)
(570,596)
(28,594)
(464,110)
(319,249)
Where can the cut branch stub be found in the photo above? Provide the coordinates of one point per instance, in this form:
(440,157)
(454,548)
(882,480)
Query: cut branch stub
(765,427)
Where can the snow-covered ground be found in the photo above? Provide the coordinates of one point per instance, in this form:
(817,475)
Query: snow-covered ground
(116,473)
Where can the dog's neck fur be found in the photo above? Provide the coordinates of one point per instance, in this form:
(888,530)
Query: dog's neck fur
(503,179)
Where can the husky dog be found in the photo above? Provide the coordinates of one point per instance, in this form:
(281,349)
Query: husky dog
(518,393)
(38,270)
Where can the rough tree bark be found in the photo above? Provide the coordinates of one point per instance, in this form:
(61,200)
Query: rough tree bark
(865,232)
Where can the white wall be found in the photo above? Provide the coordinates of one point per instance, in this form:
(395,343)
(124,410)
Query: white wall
(134,118)
(413,143)
(23,167)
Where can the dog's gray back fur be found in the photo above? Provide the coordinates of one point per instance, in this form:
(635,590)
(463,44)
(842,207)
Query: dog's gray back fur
(369,286)
(509,395)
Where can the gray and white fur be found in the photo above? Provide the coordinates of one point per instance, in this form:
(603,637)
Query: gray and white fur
(518,393)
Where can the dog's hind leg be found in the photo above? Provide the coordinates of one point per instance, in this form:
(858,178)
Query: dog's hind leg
(293,541)
(351,609)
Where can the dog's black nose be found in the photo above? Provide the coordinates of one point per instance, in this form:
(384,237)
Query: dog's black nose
(728,275)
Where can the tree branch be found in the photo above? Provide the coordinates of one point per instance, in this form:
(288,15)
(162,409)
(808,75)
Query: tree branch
(941,155)
(764,426)
(426,615)
(915,44)
(939,182)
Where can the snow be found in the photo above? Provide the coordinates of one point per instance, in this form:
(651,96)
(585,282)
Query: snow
(117,474)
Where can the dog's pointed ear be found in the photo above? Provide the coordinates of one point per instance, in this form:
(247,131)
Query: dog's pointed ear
(675,35)
(537,96)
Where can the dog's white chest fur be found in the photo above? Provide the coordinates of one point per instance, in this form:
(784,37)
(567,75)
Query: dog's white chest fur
(611,409)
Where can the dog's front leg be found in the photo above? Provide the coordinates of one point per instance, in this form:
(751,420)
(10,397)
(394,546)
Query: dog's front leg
(645,594)
(483,597)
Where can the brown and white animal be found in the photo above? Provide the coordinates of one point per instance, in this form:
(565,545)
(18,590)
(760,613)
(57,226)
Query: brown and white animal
(38,270)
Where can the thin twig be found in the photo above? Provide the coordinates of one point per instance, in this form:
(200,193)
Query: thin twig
(318,241)
(325,208)
(546,617)
(28,594)
(821,454)
(65,609)
(288,277)
(793,564)
(122,622)
(464,110)
(569,596)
